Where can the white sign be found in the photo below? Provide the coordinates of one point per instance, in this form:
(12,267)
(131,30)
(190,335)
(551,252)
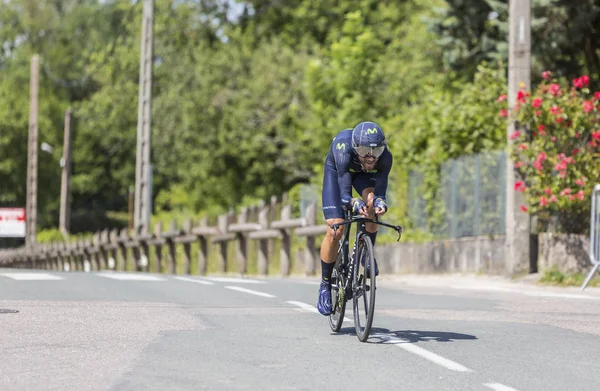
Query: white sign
(12,222)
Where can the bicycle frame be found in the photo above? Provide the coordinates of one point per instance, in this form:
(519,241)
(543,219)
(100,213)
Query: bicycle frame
(360,230)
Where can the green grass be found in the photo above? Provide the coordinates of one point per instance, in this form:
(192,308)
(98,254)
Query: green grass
(555,277)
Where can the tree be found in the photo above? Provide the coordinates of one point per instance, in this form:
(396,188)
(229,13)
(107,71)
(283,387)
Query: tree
(564,35)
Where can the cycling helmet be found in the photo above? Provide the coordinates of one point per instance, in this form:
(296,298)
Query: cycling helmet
(368,139)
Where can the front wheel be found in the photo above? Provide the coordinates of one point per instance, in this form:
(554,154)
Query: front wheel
(363,287)
(338,301)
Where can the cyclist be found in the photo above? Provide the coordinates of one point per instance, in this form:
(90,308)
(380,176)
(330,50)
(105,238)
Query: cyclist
(357,158)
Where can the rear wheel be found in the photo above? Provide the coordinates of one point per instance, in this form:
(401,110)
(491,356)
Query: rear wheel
(363,287)
(338,300)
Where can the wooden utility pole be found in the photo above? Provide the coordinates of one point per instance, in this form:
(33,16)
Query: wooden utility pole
(32,152)
(143,182)
(65,184)
(517,249)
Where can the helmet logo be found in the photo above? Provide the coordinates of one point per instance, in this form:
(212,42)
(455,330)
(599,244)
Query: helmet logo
(372,131)
(341,146)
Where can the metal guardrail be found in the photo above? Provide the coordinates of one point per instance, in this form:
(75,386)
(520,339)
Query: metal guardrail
(594,235)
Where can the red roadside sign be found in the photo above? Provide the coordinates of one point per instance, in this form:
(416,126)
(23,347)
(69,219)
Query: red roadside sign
(12,222)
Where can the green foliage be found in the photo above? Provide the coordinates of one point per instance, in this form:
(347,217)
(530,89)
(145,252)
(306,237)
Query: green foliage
(554,276)
(557,151)
(448,124)
(471,31)
(52,235)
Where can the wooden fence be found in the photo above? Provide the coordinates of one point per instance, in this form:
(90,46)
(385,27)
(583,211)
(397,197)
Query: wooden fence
(109,250)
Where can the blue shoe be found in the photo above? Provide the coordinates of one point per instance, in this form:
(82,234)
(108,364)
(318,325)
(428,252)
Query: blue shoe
(324,303)
(368,272)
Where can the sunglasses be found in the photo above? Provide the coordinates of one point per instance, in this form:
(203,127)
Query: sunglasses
(364,151)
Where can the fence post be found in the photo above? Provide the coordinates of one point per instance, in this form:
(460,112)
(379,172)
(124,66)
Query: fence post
(187,248)
(97,254)
(158,247)
(263,244)
(223,224)
(172,249)
(145,252)
(203,250)
(104,241)
(242,243)
(114,240)
(310,251)
(286,243)
(123,238)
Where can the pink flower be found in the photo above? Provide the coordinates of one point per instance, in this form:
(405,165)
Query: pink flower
(580,194)
(555,110)
(503,113)
(501,98)
(515,134)
(597,95)
(581,82)
(538,113)
(548,191)
(596,135)
(554,89)
(539,161)
(553,198)
(543,201)
(519,164)
(580,182)
(546,74)
(566,191)
(524,208)
(520,186)
(542,130)
(553,138)
(588,106)
(523,147)
(522,96)
(537,102)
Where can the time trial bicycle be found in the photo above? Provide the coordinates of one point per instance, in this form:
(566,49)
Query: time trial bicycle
(354,276)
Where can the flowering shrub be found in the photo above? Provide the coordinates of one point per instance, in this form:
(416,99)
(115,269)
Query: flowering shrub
(556,149)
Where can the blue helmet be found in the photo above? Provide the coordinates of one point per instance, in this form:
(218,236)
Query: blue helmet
(368,139)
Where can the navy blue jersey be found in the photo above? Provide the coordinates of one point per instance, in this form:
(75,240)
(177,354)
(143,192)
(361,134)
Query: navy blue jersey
(344,161)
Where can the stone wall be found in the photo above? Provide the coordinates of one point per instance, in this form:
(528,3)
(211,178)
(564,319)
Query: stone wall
(465,255)
(567,253)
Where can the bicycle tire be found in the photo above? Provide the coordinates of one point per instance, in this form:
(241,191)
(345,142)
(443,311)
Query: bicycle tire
(338,304)
(360,287)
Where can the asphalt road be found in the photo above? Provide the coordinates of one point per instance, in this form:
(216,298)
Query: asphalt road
(118,331)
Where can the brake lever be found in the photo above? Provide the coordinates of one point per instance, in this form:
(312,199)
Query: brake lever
(334,227)
(399,230)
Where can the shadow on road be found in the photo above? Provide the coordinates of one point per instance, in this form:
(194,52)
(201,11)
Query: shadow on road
(381,335)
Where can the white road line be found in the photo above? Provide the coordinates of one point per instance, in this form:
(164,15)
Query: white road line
(303,306)
(560,295)
(250,291)
(499,387)
(131,276)
(203,282)
(526,292)
(484,288)
(236,280)
(31,276)
(311,308)
(424,353)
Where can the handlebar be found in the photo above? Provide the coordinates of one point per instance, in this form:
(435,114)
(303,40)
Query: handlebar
(355,219)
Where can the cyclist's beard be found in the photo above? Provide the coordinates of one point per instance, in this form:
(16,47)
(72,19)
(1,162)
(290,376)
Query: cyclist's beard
(367,163)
